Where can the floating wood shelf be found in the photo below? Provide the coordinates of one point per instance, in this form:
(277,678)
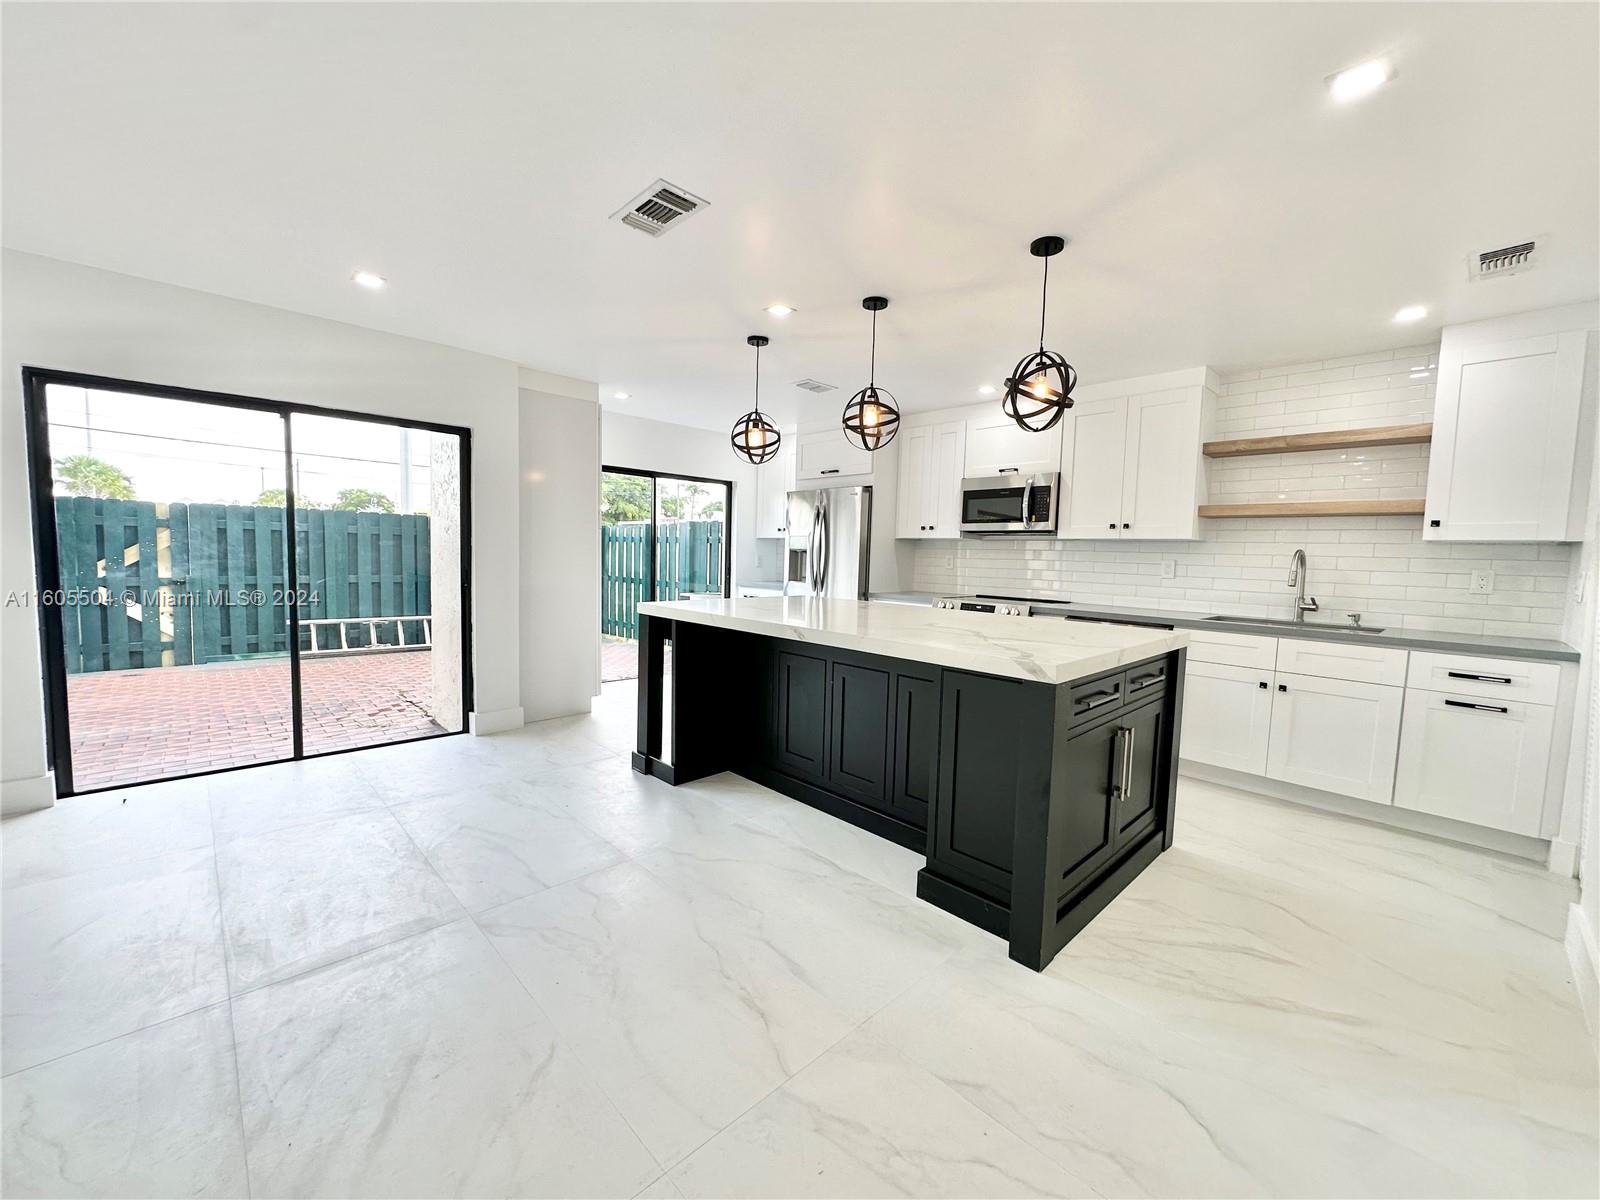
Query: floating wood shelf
(1333,439)
(1317,508)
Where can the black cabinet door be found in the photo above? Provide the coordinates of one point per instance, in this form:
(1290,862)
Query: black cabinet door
(800,732)
(1091,775)
(916,748)
(858,761)
(1145,779)
(979,760)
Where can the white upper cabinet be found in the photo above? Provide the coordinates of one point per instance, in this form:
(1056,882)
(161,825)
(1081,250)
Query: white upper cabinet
(928,504)
(996,445)
(1132,461)
(1509,461)
(825,455)
(774,481)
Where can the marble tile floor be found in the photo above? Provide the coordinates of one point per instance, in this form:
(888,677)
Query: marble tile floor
(509,966)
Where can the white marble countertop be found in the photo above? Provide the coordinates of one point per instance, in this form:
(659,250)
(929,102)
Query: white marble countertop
(1014,647)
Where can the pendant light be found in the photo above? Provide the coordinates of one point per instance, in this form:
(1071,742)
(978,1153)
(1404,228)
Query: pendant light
(1040,387)
(755,438)
(871,417)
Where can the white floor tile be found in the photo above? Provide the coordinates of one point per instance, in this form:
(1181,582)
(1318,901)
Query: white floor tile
(154,1113)
(301,897)
(422,1069)
(98,954)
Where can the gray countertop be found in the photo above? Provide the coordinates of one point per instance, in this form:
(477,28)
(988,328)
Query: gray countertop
(1404,639)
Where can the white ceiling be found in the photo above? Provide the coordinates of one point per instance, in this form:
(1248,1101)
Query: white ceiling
(1221,209)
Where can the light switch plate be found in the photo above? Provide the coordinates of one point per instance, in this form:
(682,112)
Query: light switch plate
(1482,582)
(949,562)
(1169,568)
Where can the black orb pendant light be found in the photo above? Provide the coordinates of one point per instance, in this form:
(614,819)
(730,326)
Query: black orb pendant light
(755,438)
(1040,387)
(871,417)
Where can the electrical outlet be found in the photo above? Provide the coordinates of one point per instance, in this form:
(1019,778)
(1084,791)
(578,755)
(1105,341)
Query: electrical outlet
(1169,568)
(949,562)
(1482,582)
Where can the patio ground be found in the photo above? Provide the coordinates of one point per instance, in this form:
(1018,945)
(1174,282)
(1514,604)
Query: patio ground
(130,726)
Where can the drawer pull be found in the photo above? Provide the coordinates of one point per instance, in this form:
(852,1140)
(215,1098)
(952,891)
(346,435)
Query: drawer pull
(1096,700)
(829,471)
(1145,681)
(1495,708)
(1479,678)
(1262,685)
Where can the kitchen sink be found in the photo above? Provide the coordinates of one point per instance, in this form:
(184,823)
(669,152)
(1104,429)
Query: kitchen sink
(1283,624)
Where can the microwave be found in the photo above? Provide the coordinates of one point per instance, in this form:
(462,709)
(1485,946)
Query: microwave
(1010,503)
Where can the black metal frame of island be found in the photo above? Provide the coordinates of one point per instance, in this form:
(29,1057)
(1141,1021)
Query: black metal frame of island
(1035,803)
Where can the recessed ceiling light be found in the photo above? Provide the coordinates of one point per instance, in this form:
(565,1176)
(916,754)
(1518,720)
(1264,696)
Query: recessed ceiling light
(620,395)
(986,389)
(1410,313)
(368,279)
(1359,81)
(778,310)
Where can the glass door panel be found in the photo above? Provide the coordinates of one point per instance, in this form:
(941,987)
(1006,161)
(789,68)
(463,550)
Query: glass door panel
(627,501)
(169,519)
(377,526)
(691,546)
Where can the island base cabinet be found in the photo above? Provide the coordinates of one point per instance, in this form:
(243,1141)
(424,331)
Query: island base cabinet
(1475,760)
(1227,717)
(1335,734)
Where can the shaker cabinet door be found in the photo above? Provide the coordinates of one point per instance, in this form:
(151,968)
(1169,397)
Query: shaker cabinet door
(1336,735)
(858,761)
(1227,715)
(801,715)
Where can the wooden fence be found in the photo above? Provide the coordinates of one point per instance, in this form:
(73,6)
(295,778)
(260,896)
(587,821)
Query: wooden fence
(148,585)
(688,559)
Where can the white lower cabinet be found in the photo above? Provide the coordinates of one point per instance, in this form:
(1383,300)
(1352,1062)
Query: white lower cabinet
(1227,716)
(1338,735)
(1484,761)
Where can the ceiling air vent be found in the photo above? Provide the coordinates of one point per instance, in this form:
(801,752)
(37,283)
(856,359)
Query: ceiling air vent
(660,207)
(815,385)
(1508,260)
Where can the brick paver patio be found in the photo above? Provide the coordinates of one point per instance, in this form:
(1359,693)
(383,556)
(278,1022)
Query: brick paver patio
(133,726)
(619,658)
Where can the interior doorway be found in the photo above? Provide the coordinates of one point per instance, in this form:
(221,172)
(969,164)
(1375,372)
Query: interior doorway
(662,537)
(233,581)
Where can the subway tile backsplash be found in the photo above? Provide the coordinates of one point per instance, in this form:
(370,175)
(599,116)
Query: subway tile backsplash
(1377,566)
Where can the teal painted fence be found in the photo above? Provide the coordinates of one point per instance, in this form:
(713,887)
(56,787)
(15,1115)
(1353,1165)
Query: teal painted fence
(688,559)
(148,585)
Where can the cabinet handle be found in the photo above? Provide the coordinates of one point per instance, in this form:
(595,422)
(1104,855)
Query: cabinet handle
(1125,525)
(1282,687)
(1096,700)
(1119,764)
(1479,707)
(1479,678)
(1127,761)
(1005,471)
(1433,524)
(1113,525)
(1145,681)
(829,471)
(1262,685)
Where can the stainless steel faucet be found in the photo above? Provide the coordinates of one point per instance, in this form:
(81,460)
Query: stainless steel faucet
(1297,580)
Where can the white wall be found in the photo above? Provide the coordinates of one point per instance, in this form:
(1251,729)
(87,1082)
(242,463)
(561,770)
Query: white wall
(648,445)
(559,432)
(1378,566)
(77,318)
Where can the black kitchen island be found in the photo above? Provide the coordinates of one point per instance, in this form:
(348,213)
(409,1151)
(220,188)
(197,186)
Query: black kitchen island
(1033,762)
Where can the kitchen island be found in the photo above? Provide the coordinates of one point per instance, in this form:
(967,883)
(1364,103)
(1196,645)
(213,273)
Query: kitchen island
(1033,762)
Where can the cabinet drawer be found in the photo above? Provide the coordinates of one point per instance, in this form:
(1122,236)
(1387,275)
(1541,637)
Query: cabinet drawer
(1095,697)
(1147,679)
(1338,660)
(1481,761)
(1233,649)
(1491,678)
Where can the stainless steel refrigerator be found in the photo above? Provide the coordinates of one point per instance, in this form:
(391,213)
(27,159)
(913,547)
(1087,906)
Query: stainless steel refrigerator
(829,543)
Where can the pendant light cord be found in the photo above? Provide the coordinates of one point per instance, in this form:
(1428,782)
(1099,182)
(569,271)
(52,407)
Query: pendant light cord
(872,367)
(758,380)
(1044,299)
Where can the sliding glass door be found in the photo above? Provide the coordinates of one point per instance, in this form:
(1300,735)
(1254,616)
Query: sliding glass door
(663,537)
(185,630)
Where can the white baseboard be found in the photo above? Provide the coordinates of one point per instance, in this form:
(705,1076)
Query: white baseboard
(1534,849)
(1585,965)
(27,795)
(1563,858)
(497,720)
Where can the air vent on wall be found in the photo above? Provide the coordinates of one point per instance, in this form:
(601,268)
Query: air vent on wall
(660,207)
(814,385)
(1508,260)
